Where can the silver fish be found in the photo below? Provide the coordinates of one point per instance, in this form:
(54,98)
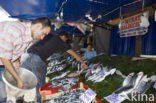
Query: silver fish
(143,85)
(128,79)
(72,96)
(60,76)
(139,77)
(103,76)
(128,84)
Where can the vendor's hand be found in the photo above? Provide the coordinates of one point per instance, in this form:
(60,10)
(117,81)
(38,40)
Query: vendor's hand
(16,64)
(88,61)
(84,66)
(19,83)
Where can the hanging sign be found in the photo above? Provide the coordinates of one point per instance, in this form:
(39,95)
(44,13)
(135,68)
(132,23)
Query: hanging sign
(131,26)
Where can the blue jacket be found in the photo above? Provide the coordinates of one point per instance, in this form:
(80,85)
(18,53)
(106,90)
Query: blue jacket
(90,55)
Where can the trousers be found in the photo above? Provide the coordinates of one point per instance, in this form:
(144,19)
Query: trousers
(34,63)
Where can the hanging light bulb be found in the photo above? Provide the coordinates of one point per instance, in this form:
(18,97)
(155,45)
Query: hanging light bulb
(155,15)
(120,23)
(120,19)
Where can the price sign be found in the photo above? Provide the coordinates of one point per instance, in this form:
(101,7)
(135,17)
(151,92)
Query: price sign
(88,96)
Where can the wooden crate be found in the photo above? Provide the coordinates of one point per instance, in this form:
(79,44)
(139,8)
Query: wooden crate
(46,97)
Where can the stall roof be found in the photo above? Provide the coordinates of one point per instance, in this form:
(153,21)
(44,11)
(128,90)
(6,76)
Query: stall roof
(73,10)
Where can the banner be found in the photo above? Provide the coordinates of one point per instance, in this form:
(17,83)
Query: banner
(131,26)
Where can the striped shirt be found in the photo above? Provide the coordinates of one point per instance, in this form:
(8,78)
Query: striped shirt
(15,38)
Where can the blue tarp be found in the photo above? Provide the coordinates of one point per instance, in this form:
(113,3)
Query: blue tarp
(73,10)
(126,45)
(76,10)
(121,46)
(70,29)
(149,40)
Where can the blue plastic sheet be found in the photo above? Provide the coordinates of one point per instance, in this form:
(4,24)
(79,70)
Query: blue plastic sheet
(76,11)
(73,10)
(149,40)
(126,45)
(121,46)
(30,9)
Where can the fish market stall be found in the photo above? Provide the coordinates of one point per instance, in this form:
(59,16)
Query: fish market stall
(114,79)
(121,32)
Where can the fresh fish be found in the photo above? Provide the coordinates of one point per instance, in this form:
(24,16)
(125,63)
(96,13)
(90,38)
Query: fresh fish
(78,67)
(65,83)
(73,64)
(104,75)
(133,84)
(61,76)
(139,77)
(125,88)
(128,79)
(91,77)
(75,74)
(128,85)
(141,88)
(139,84)
(88,74)
(120,74)
(90,65)
(98,75)
(105,69)
(72,96)
(94,71)
(133,80)
(99,68)
(149,84)
(143,85)
(56,68)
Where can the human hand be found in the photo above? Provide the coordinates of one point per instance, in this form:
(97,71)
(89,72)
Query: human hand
(84,66)
(19,83)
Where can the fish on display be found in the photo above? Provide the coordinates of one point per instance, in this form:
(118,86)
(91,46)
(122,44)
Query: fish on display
(61,76)
(139,77)
(74,74)
(55,68)
(126,89)
(127,83)
(144,85)
(99,73)
(103,76)
(72,96)
(133,84)
(128,79)
(65,83)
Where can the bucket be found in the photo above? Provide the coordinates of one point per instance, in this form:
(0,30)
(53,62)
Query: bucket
(2,90)
(28,78)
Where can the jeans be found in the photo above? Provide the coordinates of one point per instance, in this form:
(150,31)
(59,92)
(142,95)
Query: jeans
(33,63)
(3,95)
